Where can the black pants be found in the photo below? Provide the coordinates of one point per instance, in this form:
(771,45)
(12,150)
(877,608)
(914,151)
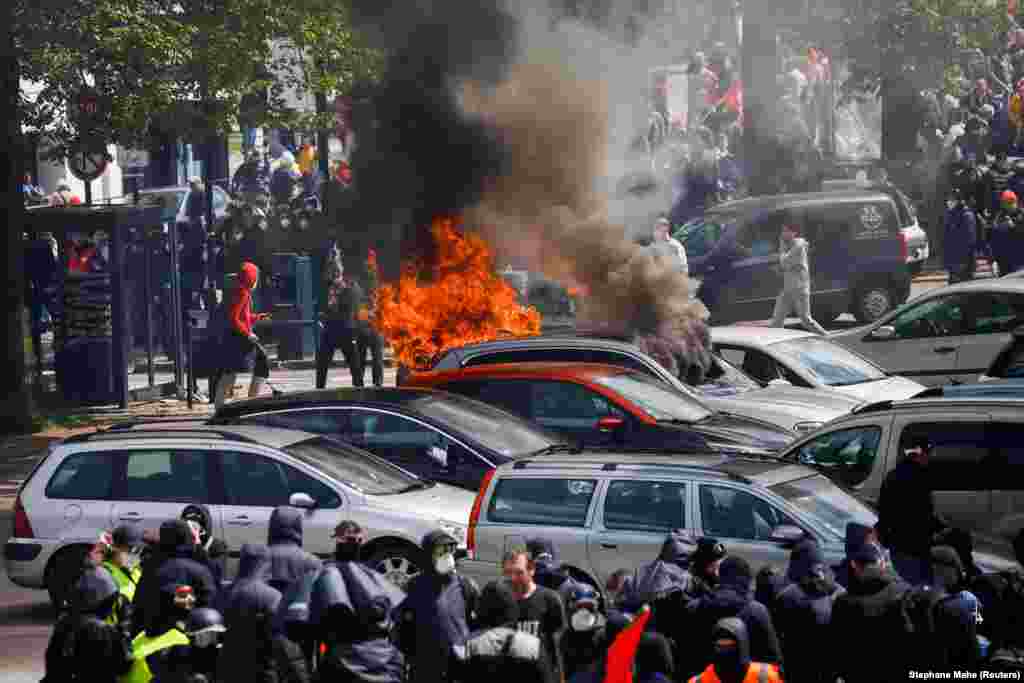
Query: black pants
(332,338)
(369,340)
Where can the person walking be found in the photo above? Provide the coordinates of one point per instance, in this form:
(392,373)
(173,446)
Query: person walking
(667,248)
(240,349)
(340,300)
(960,239)
(796,281)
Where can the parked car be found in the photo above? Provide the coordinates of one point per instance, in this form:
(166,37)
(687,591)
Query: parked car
(613,511)
(948,334)
(996,388)
(918,248)
(726,389)
(978,444)
(859,254)
(437,436)
(146,474)
(175,201)
(805,359)
(1009,362)
(602,405)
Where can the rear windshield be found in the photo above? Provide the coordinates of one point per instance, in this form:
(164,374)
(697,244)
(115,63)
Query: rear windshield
(827,503)
(495,429)
(541,502)
(831,364)
(656,399)
(360,470)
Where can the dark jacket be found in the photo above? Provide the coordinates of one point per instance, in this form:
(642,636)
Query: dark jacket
(961,238)
(732,598)
(434,619)
(288,561)
(171,562)
(1007,241)
(83,648)
(248,652)
(869,614)
(906,511)
(803,610)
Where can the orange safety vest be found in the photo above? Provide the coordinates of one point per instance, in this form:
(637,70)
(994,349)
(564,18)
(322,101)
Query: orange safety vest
(757,673)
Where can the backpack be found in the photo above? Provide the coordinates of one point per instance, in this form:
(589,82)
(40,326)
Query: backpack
(917,614)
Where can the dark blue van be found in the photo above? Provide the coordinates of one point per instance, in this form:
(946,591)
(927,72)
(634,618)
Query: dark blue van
(858,254)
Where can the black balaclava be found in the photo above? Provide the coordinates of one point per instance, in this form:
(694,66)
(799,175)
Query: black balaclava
(348,550)
(654,656)
(731,663)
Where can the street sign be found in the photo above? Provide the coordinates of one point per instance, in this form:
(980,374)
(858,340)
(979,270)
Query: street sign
(88,160)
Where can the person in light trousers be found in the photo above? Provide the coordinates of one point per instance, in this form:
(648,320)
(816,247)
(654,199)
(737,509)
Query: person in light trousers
(796,281)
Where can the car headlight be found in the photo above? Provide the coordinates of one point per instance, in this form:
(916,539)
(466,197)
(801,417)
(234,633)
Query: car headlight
(806,427)
(455,530)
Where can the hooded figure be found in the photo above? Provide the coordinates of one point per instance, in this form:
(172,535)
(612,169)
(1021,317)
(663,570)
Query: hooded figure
(731,661)
(240,349)
(248,653)
(654,661)
(704,565)
(438,611)
(498,650)
(665,584)
(953,642)
(288,561)
(732,598)
(350,608)
(803,611)
(294,637)
(84,646)
(584,641)
(549,572)
(172,563)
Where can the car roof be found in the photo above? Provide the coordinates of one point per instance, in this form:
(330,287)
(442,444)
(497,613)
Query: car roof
(572,338)
(394,396)
(931,401)
(274,437)
(791,201)
(765,471)
(754,335)
(573,372)
(999,284)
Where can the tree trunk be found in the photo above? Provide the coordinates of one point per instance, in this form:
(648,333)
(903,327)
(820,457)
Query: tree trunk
(16,410)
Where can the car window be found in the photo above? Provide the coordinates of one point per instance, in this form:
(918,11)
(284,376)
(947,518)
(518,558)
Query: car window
(1009,364)
(829,363)
(513,395)
(375,429)
(826,503)
(848,454)
(758,365)
(761,236)
(542,502)
(958,449)
(564,405)
(315,421)
(645,506)
(724,373)
(654,398)
(732,513)
(989,313)
(620,360)
(529,356)
(83,476)
(942,316)
(253,480)
(173,475)
(353,467)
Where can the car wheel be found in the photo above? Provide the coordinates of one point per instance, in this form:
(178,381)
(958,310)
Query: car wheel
(62,572)
(398,564)
(872,302)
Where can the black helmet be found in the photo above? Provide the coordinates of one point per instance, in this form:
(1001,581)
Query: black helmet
(204,626)
(94,590)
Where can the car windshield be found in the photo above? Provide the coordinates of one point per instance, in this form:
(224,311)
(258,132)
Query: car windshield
(355,468)
(827,503)
(495,429)
(658,400)
(831,364)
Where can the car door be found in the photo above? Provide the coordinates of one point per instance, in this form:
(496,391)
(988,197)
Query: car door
(634,518)
(255,484)
(756,279)
(744,523)
(79,497)
(959,447)
(416,447)
(152,485)
(991,318)
(923,342)
(574,410)
(847,456)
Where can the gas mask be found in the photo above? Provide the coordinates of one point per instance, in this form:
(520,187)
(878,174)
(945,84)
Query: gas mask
(583,620)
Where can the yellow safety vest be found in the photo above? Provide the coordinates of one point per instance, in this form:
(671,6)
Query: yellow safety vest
(126,581)
(142,647)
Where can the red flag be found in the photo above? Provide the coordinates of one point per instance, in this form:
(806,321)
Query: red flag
(619,667)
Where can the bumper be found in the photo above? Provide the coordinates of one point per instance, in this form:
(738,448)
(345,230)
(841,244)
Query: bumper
(25,561)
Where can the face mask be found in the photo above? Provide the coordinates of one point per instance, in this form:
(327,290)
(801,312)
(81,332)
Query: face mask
(445,564)
(583,620)
(347,551)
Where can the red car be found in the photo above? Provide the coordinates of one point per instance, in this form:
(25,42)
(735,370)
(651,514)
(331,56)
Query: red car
(607,405)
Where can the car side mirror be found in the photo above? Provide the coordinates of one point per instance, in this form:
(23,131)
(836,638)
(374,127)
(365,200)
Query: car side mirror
(302,500)
(461,554)
(787,534)
(609,425)
(884,332)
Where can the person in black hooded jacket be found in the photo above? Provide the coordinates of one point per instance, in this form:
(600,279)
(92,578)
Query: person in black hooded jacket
(665,584)
(248,654)
(84,645)
(802,612)
(732,598)
(173,561)
(550,573)
(288,561)
(731,660)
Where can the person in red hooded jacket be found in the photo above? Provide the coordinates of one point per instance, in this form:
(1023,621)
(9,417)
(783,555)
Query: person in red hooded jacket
(241,349)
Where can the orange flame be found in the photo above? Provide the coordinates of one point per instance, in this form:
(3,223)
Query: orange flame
(466,302)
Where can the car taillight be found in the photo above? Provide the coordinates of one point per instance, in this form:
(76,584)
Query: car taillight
(904,247)
(474,513)
(22,528)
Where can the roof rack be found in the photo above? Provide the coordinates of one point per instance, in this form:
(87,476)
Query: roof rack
(614,466)
(157,432)
(875,407)
(158,419)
